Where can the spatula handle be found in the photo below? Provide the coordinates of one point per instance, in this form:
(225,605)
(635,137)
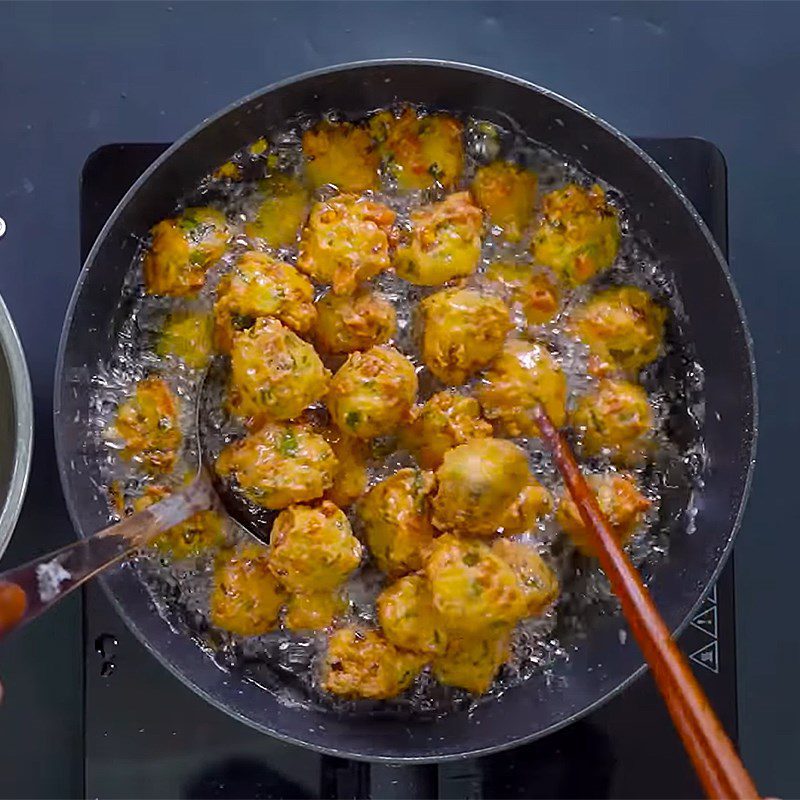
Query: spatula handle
(28,590)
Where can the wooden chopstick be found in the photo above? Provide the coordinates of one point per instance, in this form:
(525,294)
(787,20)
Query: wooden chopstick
(713,755)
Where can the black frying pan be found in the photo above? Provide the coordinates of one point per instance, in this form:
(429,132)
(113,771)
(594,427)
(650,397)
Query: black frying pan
(715,326)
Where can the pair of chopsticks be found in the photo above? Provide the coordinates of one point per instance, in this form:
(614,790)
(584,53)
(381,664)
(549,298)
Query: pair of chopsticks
(713,755)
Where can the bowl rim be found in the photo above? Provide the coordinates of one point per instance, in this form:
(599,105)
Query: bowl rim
(22,396)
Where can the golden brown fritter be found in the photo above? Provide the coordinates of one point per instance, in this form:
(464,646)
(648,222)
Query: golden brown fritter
(620,501)
(444,243)
(475,592)
(472,662)
(395,517)
(507,193)
(373,392)
(246,598)
(532,503)
(346,323)
(282,209)
(312,611)
(350,479)
(463,331)
(522,376)
(361,663)
(347,240)
(408,618)
(182,251)
(197,535)
(420,150)
(232,170)
(578,236)
(539,582)
(615,418)
(478,481)
(622,326)
(261,286)
(279,464)
(341,154)
(445,421)
(312,548)
(536,292)
(187,335)
(147,422)
(275,375)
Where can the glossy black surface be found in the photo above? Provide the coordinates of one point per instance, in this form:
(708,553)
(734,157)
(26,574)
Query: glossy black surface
(133,747)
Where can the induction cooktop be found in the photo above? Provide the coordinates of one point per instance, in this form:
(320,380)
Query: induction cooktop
(148,736)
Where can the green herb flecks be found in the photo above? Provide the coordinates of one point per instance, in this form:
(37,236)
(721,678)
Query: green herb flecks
(288,445)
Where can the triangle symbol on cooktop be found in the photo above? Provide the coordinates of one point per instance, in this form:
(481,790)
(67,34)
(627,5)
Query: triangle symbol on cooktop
(707,656)
(706,621)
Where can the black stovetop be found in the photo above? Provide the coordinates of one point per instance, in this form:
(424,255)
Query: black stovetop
(147,735)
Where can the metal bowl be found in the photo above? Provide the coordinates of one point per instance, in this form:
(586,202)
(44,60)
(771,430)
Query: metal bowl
(16,426)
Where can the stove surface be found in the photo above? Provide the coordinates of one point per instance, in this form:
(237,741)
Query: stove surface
(147,735)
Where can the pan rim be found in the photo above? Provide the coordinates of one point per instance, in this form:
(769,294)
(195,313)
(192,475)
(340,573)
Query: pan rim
(622,138)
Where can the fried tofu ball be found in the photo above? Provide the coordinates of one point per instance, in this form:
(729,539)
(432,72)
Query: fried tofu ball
(274,373)
(394,516)
(197,535)
(507,193)
(622,326)
(408,618)
(478,481)
(463,331)
(522,376)
(147,422)
(279,464)
(341,154)
(187,335)
(536,293)
(373,392)
(182,251)
(350,478)
(472,662)
(420,150)
(347,241)
(579,233)
(246,598)
(311,611)
(620,501)
(533,502)
(444,243)
(361,663)
(615,418)
(445,421)
(281,212)
(474,590)
(261,286)
(539,582)
(312,548)
(346,323)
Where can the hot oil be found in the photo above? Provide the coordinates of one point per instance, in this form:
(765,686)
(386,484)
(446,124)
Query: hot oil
(286,663)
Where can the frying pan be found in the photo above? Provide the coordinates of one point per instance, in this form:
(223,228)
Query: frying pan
(602,664)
